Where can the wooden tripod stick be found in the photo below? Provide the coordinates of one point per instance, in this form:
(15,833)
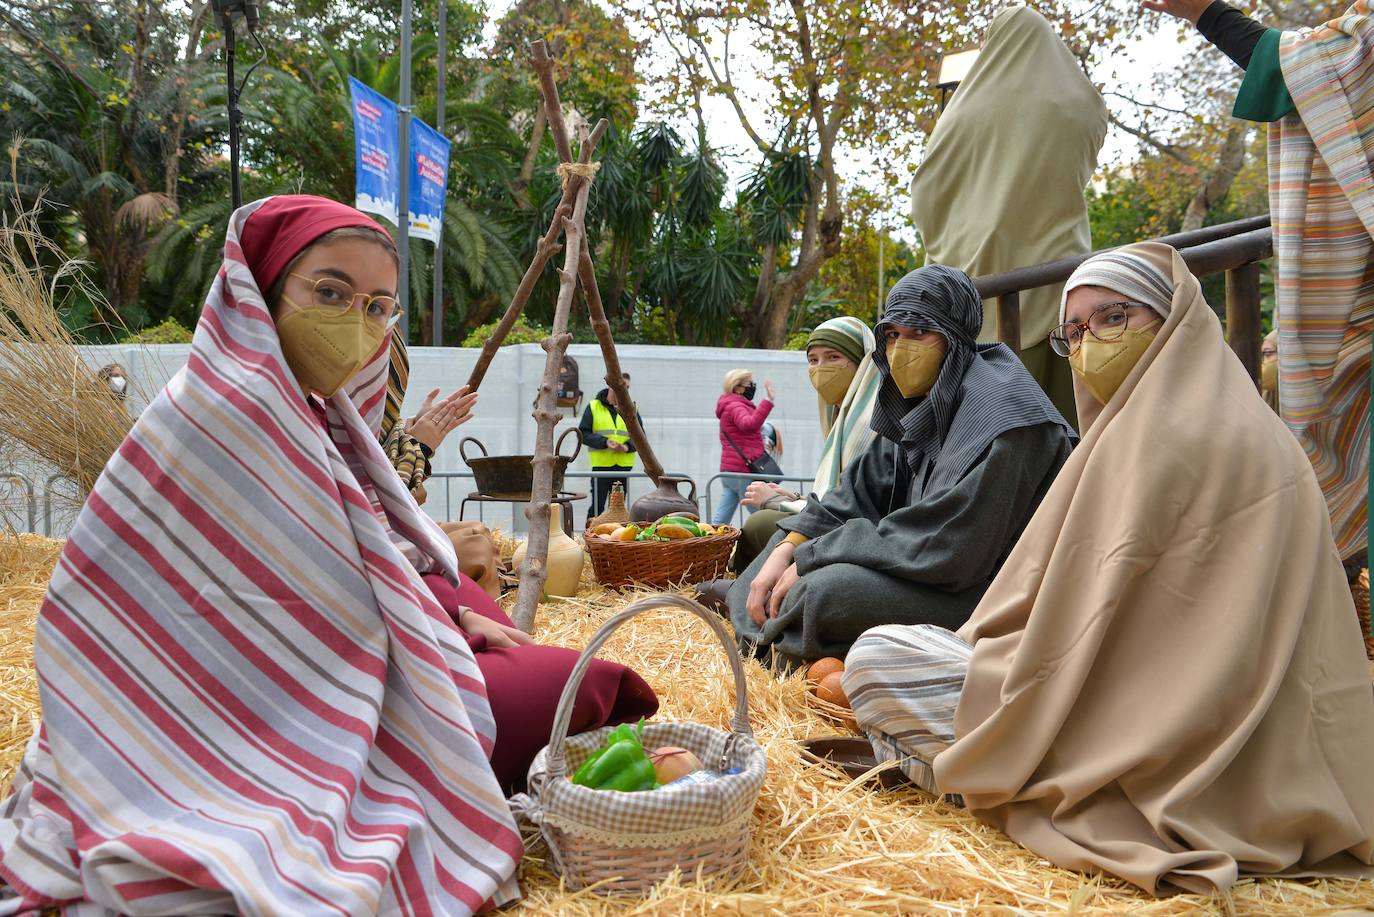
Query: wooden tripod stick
(547,248)
(535,571)
(587,273)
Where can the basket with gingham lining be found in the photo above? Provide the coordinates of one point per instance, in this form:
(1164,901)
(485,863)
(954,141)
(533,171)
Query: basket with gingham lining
(628,842)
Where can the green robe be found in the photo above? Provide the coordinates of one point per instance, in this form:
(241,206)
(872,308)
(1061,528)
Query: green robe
(876,556)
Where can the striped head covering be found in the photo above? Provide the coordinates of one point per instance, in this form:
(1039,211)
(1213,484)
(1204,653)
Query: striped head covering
(847,427)
(982,391)
(1126,273)
(251,702)
(404,450)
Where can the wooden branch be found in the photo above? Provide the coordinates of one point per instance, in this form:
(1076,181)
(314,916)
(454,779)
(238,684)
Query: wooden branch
(548,247)
(602,328)
(534,572)
(37,42)
(553,110)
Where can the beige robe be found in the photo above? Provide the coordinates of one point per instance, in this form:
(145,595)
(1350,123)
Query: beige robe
(1168,681)
(1001,184)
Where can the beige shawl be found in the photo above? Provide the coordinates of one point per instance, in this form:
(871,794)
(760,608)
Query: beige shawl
(1001,185)
(1168,681)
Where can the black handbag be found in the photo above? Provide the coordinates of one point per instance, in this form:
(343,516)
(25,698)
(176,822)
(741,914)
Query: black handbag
(765,464)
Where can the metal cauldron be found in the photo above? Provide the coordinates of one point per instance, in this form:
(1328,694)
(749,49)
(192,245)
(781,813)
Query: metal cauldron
(512,476)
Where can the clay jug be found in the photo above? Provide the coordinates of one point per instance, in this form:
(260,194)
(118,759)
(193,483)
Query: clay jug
(565,557)
(615,509)
(665,500)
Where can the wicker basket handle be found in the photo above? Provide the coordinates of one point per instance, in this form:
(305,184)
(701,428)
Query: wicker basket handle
(557,762)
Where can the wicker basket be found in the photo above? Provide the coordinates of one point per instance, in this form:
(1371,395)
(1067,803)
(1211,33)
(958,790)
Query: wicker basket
(626,843)
(660,563)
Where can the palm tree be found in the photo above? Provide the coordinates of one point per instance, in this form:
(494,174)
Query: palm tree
(91,115)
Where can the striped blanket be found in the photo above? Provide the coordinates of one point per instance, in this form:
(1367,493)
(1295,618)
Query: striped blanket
(1322,199)
(251,702)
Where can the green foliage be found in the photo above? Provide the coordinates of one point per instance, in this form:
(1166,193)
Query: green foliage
(797,340)
(522,332)
(169,331)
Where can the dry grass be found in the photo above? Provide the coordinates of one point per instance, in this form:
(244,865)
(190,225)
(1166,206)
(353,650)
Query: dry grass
(821,844)
(53,409)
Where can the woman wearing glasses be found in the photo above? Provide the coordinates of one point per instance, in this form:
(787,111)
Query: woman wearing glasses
(967,443)
(260,691)
(1166,681)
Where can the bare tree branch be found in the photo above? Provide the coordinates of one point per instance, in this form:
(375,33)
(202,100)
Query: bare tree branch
(1148,139)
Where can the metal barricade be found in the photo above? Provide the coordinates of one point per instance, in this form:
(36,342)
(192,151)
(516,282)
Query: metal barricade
(31,500)
(747,477)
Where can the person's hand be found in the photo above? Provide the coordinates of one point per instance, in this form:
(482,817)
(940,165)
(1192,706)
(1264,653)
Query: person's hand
(498,635)
(767,578)
(442,418)
(790,577)
(616,446)
(760,492)
(1190,10)
(424,409)
(768,390)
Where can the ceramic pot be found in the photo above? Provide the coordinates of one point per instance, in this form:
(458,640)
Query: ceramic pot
(565,557)
(667,499)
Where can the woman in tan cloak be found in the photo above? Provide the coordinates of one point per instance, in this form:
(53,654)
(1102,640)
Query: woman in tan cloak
(1166,681)
(1001,185)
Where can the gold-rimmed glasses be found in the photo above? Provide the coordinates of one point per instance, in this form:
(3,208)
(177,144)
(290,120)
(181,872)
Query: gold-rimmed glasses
(339,295)
(1107,324)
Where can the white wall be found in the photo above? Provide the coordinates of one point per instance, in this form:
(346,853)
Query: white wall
(675,388)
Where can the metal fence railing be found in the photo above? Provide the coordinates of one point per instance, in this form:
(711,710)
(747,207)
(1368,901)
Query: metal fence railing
(746,477)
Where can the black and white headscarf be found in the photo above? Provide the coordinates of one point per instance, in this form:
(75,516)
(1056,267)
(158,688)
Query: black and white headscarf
(983,389)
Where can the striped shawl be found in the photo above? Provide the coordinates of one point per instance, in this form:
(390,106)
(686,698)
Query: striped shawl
(251,702)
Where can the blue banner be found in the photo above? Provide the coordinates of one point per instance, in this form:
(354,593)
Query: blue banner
(429,151)
(374,141)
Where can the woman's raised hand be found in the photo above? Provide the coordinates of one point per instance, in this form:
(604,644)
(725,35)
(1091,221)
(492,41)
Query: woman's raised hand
(1190,10)
(768,389)
(441,418)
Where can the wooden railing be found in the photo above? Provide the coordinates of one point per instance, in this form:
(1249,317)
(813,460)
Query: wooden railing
(1236,248)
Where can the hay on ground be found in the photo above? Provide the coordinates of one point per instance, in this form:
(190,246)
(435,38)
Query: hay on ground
(821,843)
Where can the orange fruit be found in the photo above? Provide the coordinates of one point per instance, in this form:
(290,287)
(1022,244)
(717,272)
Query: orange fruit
(817,671)
(831,691)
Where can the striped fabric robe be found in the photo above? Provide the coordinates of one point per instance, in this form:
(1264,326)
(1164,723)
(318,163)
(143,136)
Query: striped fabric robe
(251,702)
(1321,193)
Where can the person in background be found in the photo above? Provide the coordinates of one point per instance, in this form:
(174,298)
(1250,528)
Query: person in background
(740,440)
(411,442)
(920,523)
(772,441)
(1315,89)
(608,445)
(116,377)
(1001,184)
(839,356)
(1166,681)
(1269,370)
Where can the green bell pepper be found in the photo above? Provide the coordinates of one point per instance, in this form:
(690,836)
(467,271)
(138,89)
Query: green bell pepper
(610,763)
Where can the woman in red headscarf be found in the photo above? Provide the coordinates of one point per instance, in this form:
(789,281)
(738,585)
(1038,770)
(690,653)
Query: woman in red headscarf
(265,686)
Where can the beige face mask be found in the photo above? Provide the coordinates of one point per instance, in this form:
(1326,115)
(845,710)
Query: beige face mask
(325,347)
(1104,365)
(1269,375)
(914,366)
(831,382)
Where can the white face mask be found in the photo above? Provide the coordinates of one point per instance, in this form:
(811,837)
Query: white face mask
(119,384)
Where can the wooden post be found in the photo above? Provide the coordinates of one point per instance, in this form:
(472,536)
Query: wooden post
(1243,315)
(1009,320)
(548,247)
(534,572)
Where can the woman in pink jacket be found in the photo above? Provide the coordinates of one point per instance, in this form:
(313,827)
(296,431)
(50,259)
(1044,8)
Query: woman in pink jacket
(740,421)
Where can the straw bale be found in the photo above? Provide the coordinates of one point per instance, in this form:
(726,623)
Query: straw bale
(822,843)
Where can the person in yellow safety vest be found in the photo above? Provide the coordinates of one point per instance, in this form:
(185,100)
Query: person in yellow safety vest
(608,445)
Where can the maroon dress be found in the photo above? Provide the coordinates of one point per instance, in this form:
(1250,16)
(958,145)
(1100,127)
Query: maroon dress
(525,682)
